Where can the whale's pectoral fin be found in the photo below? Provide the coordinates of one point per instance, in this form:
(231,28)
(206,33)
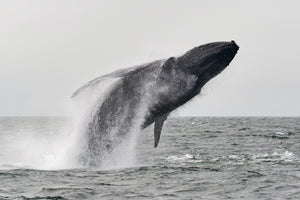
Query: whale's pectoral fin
(157,128)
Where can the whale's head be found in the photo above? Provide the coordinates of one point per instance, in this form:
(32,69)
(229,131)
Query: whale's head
(207,61)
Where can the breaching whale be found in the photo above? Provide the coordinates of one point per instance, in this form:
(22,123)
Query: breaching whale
(148,93)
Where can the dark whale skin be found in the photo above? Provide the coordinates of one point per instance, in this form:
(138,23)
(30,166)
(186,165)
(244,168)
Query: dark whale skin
(146,94)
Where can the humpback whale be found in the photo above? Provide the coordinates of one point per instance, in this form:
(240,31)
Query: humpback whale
(148,93)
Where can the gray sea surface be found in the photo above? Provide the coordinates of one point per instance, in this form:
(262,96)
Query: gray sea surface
(197,158)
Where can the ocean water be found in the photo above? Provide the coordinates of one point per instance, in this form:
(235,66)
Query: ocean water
(197,158)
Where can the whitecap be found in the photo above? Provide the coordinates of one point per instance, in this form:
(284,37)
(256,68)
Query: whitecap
(185,157)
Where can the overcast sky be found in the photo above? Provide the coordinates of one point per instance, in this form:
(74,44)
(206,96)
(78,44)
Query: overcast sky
(50,48)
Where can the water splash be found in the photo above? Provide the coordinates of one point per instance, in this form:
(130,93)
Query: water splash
(41,143)
(48,146)
(112,124)
(121,138)
(38,143)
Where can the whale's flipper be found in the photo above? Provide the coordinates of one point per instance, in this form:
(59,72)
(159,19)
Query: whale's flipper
(116,74)
(121,73)
(159,122)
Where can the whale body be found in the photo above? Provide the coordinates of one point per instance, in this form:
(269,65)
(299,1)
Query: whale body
(148,93)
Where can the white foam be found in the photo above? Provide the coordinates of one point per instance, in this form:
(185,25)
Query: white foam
(181,158)
(285,156)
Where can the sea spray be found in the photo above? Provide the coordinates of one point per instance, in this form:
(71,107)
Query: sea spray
(84,109)
(121,152)
(35,142)
(124,152)
(52,143)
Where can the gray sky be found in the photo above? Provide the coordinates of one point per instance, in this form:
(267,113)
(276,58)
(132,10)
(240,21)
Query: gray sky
(50,48)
